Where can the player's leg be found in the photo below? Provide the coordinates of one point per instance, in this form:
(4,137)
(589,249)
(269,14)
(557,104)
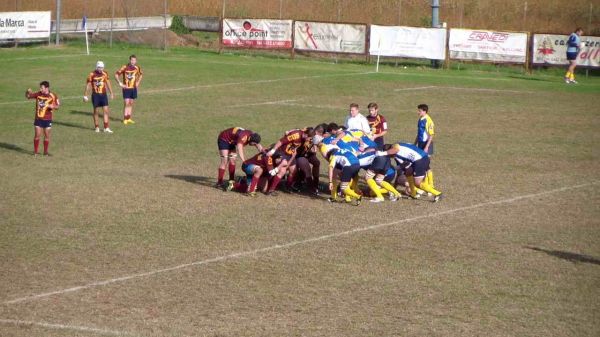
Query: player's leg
(291,177)
(224,155)
(47,131)
(394,194)
(283,167)
(95,117)
(369,178)
(106,118)
(316,167)
(231,168)
(258,171)
(37,133)
(131,104)
(347,173)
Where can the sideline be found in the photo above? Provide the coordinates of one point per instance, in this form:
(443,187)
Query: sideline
(63,327)
(293,244)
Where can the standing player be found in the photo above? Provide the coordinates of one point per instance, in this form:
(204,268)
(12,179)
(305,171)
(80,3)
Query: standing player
(45,104)
(132,77)
(97,82)
(425,133)
(356,121)
(231,142)
(573,49)
(378,124)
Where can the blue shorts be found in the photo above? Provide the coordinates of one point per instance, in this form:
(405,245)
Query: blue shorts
(421,145)
(99,100)
(348,172)
(40,123)
(420,167)
(248,169)
(129,93)
(224,145)
(381,164)
(572,55)
(379,142)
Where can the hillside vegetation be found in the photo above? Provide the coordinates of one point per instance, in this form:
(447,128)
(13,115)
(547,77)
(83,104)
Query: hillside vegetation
(557,16)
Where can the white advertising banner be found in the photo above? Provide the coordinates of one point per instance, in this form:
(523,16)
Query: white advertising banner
(330,37)
(24,25)
(552,49)
(257,33)
(485,45)
(427,43)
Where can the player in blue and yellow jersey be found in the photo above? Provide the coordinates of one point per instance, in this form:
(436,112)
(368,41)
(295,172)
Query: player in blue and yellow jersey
(573,49)
(46,103)
(131,78)
(97,83)
(425,134)
(415,163)
(346,165)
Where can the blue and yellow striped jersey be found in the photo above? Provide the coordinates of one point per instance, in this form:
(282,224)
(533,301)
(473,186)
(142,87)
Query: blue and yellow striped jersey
(425,128)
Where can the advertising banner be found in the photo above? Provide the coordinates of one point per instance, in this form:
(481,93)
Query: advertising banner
(330,37)
(24,25)
(552,50)
(485,45)
(257,33)
(427,43)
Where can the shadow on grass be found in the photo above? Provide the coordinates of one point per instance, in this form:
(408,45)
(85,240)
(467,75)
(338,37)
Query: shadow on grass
(71,125)
(90,114)
(13,147)
(572,257)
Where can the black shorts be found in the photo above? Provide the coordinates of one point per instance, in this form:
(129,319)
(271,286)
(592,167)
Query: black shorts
(420,167)
(129,93)
(99,100)
(348,172)
(572,55)
(40,123)
(224,145)
(421,145)
(380,164)
(379,142)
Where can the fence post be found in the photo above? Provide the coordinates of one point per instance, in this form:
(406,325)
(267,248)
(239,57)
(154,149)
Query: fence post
(165,26)
(280,8)
(58,9)
(112,17)
(524,16)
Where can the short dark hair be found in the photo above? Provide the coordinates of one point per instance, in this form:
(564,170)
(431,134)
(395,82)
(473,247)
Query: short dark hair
(423,107)
(373,105)
(332,126)
(132,56)
(578,29)
(319,129)
(354,105)
(45,84)
(254,138)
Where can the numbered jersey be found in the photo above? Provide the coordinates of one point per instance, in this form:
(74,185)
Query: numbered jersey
(292,140)
(408,154)
(131,75)
(236,135)
(99,81)
(43,111)
(378,124)
(262,160)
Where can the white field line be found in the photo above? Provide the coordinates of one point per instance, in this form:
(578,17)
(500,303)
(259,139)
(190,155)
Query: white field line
(416,88)
(262,103)
(485,89)
(42,57)
(56,326)
(292,244)
(324,107)
(216,85)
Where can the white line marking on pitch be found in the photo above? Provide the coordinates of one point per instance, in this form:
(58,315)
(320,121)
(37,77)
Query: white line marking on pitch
(416,88)
(216,85)
(63,327)
(261,103)
(292,244)
(486,89)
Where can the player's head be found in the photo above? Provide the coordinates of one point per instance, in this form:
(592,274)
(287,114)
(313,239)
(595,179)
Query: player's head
(99,65)
(386,147)
(309,132)
(44,87)
(317,139)
(254,139)
(422,109)
(320,129)
(373,109)
(333,128)
(578,30)
(132,59)
(353,109)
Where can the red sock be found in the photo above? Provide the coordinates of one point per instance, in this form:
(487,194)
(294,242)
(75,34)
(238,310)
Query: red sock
(231,171)
(242,186)
(106,125)
(46,143)
(36,145)
(253,184)
(221,174)
(126,117)
(274,183)
(96,125)
(290,180)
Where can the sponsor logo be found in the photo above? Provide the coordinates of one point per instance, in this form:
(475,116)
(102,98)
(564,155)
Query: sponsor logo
(492,37)
(8,22)
(247,31)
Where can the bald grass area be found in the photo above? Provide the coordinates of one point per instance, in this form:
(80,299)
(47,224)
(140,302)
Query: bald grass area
(134,220)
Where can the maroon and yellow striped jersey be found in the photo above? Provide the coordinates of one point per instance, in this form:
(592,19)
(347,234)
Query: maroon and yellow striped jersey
(131,75)
(43,111)
(98,80)
(378,124)
(292,140)
(262,160)
(236,135)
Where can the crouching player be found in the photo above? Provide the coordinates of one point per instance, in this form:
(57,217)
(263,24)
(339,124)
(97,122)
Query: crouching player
(231,142)
(346,165)
(375,177)
(415,163)
(259,169)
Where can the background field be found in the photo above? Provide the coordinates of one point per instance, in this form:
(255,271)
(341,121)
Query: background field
(124,234)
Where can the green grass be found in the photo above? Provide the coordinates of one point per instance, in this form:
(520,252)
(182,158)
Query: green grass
(141,200)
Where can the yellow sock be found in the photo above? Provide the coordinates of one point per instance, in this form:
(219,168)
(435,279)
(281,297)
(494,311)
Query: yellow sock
(429,178)
(354,184)
(426,187)
(572,77)
(568,74)
(350,193)
(374,188)
(411,184)
(389,188)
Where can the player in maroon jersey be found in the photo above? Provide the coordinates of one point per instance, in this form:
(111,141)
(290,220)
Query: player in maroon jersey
(259,169)
(46,103)
(129,78)
(286,147)
(97,83)
(378,124)
(231,142)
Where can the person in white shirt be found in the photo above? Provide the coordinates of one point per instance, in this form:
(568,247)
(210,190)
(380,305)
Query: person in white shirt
(356,121)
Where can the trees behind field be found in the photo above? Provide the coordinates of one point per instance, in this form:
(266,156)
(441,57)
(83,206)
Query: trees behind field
(556,16)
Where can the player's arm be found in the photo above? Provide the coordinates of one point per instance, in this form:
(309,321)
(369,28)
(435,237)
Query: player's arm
(29,94)
(259,147)
(429,128)
(139,80)
(88,88)
(331,167)
(240,151)
(117,75)
(275,147)
(109,87)
(55,102)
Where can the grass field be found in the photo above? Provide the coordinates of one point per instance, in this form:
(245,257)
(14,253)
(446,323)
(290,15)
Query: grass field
(124,234)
